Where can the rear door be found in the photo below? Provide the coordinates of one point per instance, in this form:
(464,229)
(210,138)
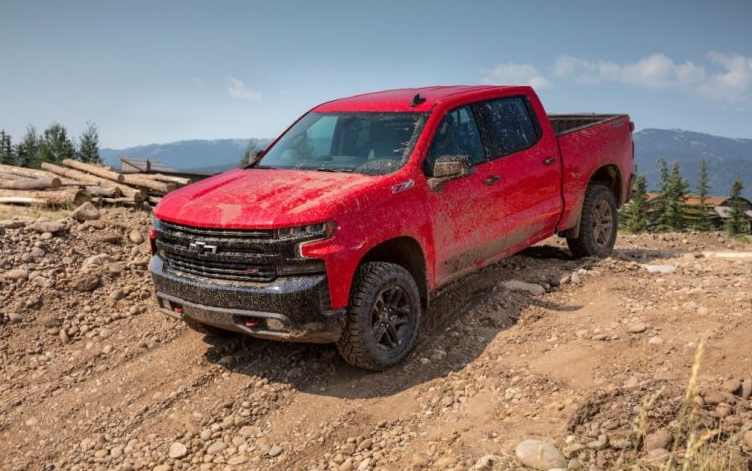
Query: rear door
(464,208)
(526,160)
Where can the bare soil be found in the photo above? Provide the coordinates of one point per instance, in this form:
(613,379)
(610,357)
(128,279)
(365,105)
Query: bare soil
(93,377)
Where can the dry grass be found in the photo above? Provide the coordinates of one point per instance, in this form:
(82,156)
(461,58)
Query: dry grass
(692,449)
(8,211)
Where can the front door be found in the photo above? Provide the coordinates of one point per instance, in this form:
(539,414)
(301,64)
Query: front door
(465,208)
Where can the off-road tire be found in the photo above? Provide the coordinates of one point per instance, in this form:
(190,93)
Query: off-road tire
(590,241)
(358,344)
(208,330)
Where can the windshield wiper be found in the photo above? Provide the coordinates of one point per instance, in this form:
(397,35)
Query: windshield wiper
(329,169)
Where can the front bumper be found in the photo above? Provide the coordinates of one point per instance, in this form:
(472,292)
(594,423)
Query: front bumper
(293,309)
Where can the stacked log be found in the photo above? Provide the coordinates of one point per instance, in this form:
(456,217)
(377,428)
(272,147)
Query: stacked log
(76,182)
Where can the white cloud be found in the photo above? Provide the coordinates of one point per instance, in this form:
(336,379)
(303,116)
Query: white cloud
(238,89)
(728,80)
(196,81)
(515,74)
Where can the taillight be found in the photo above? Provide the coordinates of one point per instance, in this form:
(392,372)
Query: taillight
(153,241)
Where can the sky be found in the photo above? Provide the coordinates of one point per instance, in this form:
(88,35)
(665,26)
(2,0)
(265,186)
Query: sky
(162,71)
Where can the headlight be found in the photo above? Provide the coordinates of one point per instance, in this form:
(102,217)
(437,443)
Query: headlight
(322,230)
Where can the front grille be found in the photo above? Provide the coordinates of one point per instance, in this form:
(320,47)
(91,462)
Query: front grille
(228,254)
(222,270)
(222,254)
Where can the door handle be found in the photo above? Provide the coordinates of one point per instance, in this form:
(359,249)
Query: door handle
(491,180)
(549,161)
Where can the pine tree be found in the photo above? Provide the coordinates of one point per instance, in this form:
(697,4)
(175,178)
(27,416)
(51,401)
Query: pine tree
(55,145)
(88,150)
(27,151)
(737,222)
(636,217)
(7,152)
(673,190)
(703,188)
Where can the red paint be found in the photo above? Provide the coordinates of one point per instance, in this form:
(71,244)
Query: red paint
(465,225)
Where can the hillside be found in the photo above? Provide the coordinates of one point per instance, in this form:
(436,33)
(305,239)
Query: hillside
(93,376)
(725,157)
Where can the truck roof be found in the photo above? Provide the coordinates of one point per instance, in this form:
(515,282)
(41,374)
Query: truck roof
(402,99)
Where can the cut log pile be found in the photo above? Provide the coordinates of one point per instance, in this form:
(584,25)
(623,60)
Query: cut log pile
(76,182)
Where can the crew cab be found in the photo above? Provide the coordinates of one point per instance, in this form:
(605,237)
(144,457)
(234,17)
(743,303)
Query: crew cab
(341,230)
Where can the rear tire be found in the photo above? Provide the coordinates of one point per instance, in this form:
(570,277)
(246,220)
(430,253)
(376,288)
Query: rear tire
(598,224)
(208,330)
(383,317)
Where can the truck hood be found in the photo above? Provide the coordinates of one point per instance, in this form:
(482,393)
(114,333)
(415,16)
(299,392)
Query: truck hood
(261,198)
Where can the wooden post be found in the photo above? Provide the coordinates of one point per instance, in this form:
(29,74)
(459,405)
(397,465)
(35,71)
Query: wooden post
(68,196)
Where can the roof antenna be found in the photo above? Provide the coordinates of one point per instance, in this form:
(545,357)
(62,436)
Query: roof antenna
(417,100)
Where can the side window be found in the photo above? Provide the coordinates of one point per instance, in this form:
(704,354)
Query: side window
(457,134)
(508,125)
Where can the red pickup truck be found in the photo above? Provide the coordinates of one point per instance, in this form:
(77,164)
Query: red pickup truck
(343,227)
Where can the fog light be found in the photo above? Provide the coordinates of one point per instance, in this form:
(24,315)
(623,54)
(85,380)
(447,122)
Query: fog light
(275,324)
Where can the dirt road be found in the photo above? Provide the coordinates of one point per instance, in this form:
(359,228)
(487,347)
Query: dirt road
(93,377)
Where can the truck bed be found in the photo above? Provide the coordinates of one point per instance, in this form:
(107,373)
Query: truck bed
(565,123)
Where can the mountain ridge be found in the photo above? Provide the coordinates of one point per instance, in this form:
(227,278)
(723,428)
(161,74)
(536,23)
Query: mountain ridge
(725,156)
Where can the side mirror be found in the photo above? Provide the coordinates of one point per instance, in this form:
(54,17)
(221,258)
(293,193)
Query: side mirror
(449,167)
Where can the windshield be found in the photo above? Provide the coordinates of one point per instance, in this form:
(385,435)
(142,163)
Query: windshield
(369,143)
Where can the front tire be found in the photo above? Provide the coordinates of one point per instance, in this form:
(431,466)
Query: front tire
(598,224)
(383,317)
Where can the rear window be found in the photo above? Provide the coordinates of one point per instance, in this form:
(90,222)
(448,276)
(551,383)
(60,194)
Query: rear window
(508,125)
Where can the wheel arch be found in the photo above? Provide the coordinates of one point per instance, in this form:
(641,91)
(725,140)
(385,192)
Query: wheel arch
(609,176)
(406,252)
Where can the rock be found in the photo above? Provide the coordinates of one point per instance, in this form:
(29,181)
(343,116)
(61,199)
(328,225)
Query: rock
(659,439)
(447,401)
(64,336)
(638,328)
(96,261)
(86,212)
(2,230)
(12,224)
(236,460)
(136,237)
(276,450)
(657,454)
(747,439)
(15,317)
(363,464)
(538,454)
(52,227)
(655,340)
(110,238)
(248,431)
(86,282)
(713,398)
(663,269)
(216,447)
(177,451)
(733,386)
(575,278)
(162,467)
(599,444)
(703,311)
(575,464)
(723,410)
(516,285)
(746,389)
(17,274)
(116,452)
(485,463)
